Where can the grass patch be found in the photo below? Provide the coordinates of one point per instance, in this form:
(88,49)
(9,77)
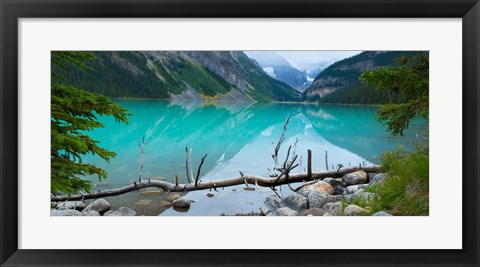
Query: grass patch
(405,190)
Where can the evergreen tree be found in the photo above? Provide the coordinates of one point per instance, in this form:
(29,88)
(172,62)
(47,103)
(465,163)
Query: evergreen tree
(73,113)
(409,78)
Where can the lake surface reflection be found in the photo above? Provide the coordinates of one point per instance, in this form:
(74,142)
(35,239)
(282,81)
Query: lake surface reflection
(236,137)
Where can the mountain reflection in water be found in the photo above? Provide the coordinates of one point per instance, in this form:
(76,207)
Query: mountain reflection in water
(236,137)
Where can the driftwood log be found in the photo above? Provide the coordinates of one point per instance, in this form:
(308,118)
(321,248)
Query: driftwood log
(242,179)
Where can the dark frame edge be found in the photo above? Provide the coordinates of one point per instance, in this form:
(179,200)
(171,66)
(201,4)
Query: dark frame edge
(8,132)
(471,116)
(11,256)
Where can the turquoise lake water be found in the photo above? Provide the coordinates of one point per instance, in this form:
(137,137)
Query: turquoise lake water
(236,137)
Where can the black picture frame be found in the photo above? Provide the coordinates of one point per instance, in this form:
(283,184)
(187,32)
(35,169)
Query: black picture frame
(11,11)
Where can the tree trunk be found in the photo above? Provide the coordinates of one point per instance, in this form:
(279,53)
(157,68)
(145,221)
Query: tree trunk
(244,179)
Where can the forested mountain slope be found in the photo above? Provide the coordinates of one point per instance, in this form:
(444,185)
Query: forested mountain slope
(197,75)
(339,82)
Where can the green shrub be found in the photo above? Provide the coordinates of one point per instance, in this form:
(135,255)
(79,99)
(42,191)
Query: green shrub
(405,190)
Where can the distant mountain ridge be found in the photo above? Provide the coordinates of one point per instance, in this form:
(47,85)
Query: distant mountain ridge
(279,68)
(181,75)
(339,82)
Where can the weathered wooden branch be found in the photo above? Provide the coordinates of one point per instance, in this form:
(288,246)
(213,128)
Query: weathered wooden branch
(188,164)
(287,170)
(309,163)
(199,169)
(245,178)
(280,141)
(326,159)
(142,149)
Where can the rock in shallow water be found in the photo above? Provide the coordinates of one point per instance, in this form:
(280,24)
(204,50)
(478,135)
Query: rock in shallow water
(173,196)
(182,203)
(100,205)
(358,177)
(152,193)
(271,203)
(143,202)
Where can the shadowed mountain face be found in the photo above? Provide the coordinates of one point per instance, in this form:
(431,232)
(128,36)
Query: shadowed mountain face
(181,75)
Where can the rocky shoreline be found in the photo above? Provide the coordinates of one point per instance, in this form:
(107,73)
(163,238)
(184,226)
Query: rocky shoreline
(98,207)
(323,197)
(327,197)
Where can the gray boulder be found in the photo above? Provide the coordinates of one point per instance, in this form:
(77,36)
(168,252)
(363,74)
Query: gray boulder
(367,196)
(354,188)
(316,187)
(382,213)
(295,202)
(108,213)
(285,211)
(370,176)
(90,213)
(182,203)
(317,199)
(100,205)
(313,212)
(353,210)
(340,190)
(334,208)
(271,203)
(53,205)
(123,211)
(377,178)
(358,177)
(77,205)
(334,181)
(65,212)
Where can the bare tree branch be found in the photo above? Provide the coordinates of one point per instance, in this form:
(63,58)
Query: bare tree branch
(188,163)
(250,179)
(199,169)
(280,141)
(142,149)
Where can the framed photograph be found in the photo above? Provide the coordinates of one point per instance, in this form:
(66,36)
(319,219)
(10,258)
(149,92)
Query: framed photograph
(239,133)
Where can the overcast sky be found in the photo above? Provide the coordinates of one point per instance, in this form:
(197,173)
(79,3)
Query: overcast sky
(298,57)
